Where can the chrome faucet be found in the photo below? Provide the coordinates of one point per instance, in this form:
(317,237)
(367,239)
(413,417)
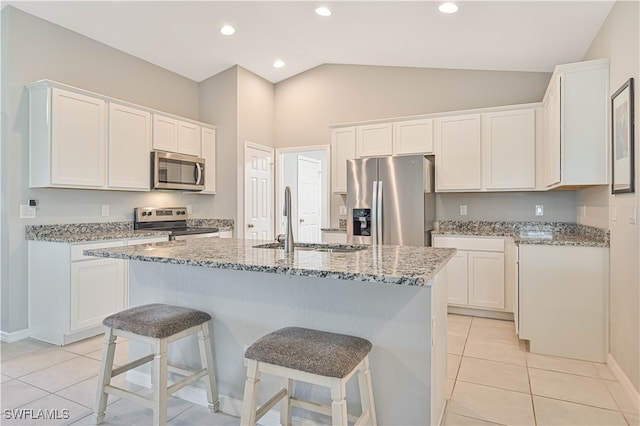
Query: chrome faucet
(288,237)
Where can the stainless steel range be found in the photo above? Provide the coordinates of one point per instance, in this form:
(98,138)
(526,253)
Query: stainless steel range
(172,219)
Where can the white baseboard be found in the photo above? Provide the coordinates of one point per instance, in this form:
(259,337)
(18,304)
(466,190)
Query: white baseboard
(623,379)
(228,405)
(14,336)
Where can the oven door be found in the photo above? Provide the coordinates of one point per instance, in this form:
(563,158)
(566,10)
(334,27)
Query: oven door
(177,171)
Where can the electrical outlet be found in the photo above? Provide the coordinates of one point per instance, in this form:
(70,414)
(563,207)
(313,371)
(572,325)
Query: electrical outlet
(614,212)
(27,212)
(189,209)
(343,210)
(463,209)
(105,210)
(633,219)
(539,210)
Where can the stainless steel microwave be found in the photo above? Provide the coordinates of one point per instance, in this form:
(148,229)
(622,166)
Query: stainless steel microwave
(177,171)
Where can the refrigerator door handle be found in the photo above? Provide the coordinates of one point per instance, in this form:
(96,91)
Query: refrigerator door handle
(379,208)
(374,214)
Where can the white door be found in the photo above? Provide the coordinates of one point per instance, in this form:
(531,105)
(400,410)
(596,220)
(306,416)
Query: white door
(309,199)
(258,193)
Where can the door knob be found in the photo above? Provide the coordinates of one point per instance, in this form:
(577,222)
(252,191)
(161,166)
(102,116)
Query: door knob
(301,220)
(250,225)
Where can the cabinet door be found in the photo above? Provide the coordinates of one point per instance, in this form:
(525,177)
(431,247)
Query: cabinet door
(208,139)
(457,279)
(458,153)
(188,138)
(165,133)
(226,234)
(97,290)
(343,148)
(508,145)
(78,151)
(413,137)
(129,148)
(486,279)
(551,146)
(374,140)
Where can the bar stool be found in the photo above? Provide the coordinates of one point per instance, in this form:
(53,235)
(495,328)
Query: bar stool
(312,356)
(157,325)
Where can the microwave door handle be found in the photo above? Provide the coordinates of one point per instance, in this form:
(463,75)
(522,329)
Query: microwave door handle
(198,173)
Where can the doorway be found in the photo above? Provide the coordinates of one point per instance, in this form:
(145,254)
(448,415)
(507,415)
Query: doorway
(305,170)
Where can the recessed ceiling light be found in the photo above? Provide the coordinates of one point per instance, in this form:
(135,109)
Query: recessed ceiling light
(227,30)
(448,7)
(323,11)
(278,63)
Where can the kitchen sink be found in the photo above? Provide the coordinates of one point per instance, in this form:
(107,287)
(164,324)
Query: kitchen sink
(329,248)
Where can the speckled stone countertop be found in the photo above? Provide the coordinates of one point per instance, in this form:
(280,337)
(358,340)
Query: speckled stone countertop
(541,233)
(79,232)
(334,229)
(401,265)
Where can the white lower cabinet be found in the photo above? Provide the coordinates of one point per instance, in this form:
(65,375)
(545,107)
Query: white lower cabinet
(226,234)
(476,275)
(334,237)
(70,293)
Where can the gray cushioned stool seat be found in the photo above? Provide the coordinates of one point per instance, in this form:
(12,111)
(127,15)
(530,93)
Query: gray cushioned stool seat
(317,352)
(156,320)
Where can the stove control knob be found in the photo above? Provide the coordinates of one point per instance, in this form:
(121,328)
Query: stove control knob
(144,213)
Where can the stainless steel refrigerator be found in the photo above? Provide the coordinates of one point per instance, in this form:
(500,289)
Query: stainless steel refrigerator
(390,200)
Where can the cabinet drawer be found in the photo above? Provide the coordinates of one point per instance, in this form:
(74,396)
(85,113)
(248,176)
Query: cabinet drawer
(77,249)
(470,243)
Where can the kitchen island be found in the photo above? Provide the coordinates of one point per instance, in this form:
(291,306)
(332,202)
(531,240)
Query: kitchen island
(394,296)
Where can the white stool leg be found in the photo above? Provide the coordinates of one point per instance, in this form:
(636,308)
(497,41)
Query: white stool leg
(250,402)
(285,405)
(338,403)
(104,378)
(159,382)
(366,390)
(207,362)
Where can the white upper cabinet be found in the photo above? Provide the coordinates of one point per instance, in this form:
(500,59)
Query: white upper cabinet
(129,147)
(189,138)
(165,133)
(413,137)
(575,146)
(343,148)
(374,140)
(509,150)
(458,150)
(173,135)
(67,142)
(208,148)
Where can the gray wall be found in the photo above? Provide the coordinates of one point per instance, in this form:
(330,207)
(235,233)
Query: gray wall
(330,94)
(34,49)
(559,206)
(619,40)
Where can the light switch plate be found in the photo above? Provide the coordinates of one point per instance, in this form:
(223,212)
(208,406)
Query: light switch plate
(463,209)
(105,210)
(539,210)
(343,210)
(633,219)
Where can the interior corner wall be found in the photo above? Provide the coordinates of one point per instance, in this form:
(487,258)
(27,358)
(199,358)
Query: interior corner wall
(219,106)
(308,103)
(619,40)
(34,49)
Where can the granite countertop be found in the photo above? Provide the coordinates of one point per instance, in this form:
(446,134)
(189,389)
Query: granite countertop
(98,231)
(333,229)
(540,233)
(401,265)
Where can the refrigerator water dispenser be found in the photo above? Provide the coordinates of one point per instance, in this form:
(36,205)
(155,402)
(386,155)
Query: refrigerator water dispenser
(362,222)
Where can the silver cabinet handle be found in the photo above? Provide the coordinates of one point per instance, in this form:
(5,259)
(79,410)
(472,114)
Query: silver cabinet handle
(250,225)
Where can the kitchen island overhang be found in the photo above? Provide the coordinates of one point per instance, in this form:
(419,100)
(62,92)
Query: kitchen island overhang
(394,296)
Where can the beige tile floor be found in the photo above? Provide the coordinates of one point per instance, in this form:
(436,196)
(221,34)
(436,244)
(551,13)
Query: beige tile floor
(491,380)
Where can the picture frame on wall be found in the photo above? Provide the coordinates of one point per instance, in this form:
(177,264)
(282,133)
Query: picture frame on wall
(622,164)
